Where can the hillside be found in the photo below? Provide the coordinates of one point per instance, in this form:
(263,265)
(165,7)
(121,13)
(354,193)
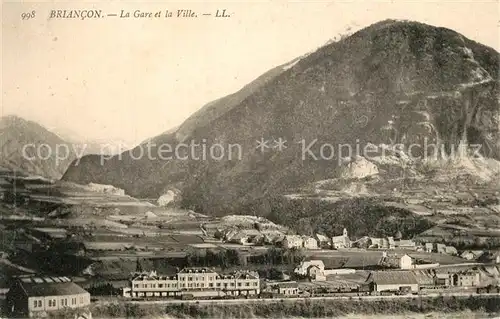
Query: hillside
(17,134)
(394,82)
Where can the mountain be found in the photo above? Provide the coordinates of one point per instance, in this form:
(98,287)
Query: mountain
(85,146)
(32,149)
(104,147)
(392,83)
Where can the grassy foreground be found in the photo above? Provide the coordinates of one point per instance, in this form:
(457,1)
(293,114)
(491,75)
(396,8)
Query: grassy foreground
(300,308)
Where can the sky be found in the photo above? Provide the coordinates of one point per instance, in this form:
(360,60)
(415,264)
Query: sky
(119,79)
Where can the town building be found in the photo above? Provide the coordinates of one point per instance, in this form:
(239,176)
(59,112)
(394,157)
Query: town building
(32,296)
(441,279)
(472,254)
(410,262)
(407,262)
(406,244)
(303,267)
(315,273)
(394,281)
(341,241)
(292,241)
(463,278)
(323,241)
(468,255)
(441,248)
(152,285)
(309,242)
(392,242)
(450,250)
(315,270)
(273,238)
(425,279)
(380,243)
(285,288)
(201,281)
(429,247)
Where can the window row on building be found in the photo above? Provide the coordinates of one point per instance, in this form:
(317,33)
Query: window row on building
(38,302)
(193,279)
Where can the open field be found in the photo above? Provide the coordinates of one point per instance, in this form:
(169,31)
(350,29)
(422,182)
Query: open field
(360,256)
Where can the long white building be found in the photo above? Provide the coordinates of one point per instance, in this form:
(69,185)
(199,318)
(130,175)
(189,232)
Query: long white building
(196,281)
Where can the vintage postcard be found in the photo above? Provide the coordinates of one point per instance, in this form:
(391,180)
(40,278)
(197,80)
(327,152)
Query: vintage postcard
(250,159)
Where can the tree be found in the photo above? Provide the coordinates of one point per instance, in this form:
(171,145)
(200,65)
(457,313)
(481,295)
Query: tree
(138,266)
(257,226)
(294,256)
(211,258)
(193,258)
(234,257)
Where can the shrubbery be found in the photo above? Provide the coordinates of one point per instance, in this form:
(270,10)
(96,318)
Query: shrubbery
(361,217)
(302,308)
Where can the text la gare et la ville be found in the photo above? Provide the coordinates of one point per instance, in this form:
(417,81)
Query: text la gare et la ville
(137,14)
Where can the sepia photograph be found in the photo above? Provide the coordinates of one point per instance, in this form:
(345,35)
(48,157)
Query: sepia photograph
(250,159)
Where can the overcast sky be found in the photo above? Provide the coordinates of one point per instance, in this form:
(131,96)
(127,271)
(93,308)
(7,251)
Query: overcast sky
(130,79)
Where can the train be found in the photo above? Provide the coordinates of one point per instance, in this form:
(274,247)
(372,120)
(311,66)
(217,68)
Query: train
(361,290)
(488,289)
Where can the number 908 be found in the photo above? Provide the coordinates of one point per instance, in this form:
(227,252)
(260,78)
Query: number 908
(28,15)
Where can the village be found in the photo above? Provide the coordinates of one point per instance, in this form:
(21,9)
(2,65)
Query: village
(407,274)
(320,266)
(77,255)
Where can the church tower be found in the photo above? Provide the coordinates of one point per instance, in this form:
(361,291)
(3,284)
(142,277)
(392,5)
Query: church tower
(345,233)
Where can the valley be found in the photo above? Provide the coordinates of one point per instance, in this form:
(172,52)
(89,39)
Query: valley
(407,207)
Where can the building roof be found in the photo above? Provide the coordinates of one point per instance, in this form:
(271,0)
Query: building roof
(197,270)
(361,261)
(477,253)
(394,277)
(424,277)
(246,275)
(338,239)
(442,276)
(49,286)
(151,276)
(274,237)
(294,238)
(359,277)
(451,249)
(407,255)
(406,242)
(322,238)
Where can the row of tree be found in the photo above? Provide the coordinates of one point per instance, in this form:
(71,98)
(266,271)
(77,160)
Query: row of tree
(231,257)
(211,258)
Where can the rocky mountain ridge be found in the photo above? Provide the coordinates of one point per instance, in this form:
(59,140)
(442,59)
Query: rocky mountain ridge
(29,148)
(392,83)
